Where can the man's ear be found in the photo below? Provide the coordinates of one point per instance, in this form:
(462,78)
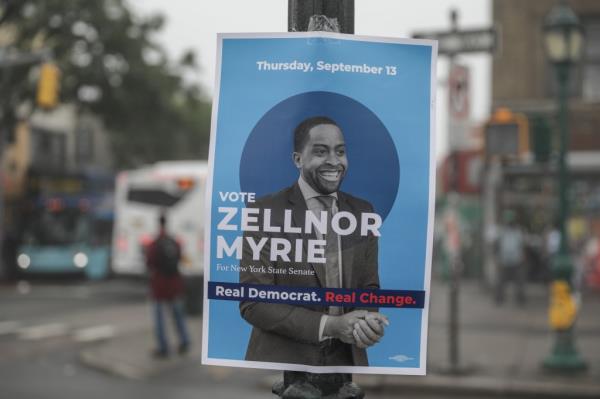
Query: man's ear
(297,158)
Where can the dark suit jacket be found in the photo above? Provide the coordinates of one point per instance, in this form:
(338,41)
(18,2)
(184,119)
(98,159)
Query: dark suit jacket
(289,333)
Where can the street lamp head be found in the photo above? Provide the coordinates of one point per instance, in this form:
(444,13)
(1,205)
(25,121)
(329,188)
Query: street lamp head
(563,35)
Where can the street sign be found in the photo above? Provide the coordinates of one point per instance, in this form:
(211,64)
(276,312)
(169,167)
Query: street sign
(461,134)
(458,92)
(462,41)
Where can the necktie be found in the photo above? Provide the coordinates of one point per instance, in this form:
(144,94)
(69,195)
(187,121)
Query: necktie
(332,264)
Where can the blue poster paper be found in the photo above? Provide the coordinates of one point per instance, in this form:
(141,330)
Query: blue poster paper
(320,203)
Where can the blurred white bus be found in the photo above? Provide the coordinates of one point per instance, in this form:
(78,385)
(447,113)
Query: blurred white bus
(176,188)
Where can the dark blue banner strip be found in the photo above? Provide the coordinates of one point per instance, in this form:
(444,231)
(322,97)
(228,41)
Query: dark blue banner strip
(316,296)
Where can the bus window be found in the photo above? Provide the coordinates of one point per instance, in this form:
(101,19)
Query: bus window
(61,227)
(155,197)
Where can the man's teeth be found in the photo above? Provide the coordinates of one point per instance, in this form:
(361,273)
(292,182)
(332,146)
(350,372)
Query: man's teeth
(332,176)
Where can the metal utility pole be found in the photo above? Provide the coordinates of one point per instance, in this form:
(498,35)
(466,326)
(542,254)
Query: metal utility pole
(4,104)
(331,16)
(564,35)
(451,43)
(453,366)
(301,12)
(455,263)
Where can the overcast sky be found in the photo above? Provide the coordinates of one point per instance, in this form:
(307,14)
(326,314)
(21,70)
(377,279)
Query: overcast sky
(194,24)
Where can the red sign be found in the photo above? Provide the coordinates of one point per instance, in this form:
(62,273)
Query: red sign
(461,172)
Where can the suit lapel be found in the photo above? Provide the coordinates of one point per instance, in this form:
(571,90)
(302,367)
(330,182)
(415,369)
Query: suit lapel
(299,208)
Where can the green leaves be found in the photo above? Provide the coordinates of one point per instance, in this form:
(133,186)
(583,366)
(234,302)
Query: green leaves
(111,64)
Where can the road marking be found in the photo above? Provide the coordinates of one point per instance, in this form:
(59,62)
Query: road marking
(23,287)
(50,330)
(95,333)
(9,327)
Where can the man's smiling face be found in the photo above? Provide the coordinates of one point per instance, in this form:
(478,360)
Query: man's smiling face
(323,161)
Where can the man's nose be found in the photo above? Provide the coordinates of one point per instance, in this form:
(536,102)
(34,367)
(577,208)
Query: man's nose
(333,158)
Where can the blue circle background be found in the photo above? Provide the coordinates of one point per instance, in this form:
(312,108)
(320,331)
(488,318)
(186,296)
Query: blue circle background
(373,167)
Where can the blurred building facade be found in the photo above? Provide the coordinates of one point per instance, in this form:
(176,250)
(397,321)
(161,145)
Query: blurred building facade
(63,140)
(524,81)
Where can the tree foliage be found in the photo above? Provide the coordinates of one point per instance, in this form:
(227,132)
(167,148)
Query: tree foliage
(111,64)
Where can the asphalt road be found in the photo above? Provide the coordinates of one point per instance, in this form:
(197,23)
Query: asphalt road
(45,324)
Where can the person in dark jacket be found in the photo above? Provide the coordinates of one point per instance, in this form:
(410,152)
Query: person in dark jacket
(166,289)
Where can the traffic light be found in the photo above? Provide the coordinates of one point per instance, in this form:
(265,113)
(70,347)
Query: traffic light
(48,85)
(506,134)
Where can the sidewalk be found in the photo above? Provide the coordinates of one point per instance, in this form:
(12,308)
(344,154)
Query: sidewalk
(129,355)
(500,347)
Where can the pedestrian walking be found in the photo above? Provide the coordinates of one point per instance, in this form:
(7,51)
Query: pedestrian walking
(511,257)
(167,288)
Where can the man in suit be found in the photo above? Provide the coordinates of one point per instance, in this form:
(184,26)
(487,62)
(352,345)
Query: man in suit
(313,335)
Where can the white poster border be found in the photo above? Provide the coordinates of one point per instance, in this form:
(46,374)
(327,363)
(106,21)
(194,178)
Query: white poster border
(420,371)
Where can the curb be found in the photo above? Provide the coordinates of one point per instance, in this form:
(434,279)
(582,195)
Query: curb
(91,359)
(480,386)
(126,357)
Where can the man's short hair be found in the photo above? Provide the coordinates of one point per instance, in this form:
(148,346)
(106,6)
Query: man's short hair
(301,131)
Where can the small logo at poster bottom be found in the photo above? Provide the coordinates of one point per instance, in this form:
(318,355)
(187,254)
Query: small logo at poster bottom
(401,358)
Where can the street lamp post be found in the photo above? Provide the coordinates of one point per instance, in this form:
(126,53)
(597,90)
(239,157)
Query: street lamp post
(564,42)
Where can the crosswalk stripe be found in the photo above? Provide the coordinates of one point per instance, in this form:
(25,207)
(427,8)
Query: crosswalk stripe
(95,333)
(53,330)
(50,330)
(9,327)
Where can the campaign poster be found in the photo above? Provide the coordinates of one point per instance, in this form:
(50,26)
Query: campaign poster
(320,203)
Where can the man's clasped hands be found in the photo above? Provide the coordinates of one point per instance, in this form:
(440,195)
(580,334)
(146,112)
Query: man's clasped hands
(359,327)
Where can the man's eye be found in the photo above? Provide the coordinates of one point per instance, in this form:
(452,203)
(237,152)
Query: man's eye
(341,152)
(320,152)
